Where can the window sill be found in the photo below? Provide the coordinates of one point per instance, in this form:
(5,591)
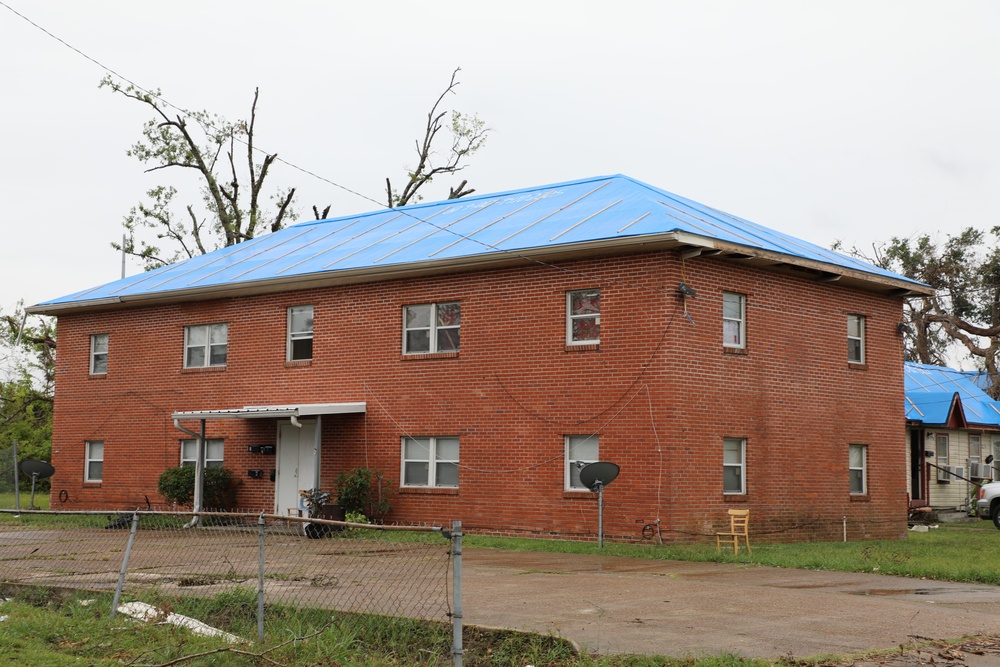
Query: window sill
(428,491)
(582,494)
(429,355)
(204,369)
(92,485)
(855,366)
(584,347)
(860,498)
(299,363)
(97,376)
(739,351)
(735,498)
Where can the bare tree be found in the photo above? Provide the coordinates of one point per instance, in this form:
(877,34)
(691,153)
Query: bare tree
(207,145)
(468,135)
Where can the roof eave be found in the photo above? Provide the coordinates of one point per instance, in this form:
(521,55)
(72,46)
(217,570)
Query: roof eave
(820,271)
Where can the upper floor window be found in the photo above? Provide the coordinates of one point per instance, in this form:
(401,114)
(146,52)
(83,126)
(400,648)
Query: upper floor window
(93,467)
(300,333)
(431,327)
(734,465)
(583,317)
(580,450)
(734,319)
(430,461)
(99,354)
(856,339)
(858,465)
(941,446)
(205,345)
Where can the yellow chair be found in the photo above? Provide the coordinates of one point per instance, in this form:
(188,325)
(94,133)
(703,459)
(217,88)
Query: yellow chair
(739,526)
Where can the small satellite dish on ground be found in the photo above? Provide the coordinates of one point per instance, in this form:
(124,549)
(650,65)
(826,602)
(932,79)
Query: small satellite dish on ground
(38,470)
(596,476)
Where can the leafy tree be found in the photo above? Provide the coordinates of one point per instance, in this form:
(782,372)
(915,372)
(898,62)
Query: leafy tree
(964,271)
(233,205)
(27,350)
(207,145)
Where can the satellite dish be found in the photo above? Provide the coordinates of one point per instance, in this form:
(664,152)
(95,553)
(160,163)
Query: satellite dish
(595,475)
(37,469)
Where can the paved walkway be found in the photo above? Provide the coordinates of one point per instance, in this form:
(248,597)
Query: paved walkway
(623,605)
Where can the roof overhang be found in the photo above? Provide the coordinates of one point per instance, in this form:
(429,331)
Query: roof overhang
(691,245)
(274,411)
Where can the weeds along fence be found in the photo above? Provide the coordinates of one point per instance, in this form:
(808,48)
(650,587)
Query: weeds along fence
(258,566)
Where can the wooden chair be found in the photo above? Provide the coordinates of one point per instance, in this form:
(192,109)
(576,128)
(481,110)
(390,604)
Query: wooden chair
(739,526)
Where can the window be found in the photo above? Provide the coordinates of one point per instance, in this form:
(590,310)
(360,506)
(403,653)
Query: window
(94,461)
(300,333)
(975,451)
(583,317)
(734,465)
(734,320)
(205,345)
(856,339)
(580,450)
(431,327)
(941,449)
(99,354)
(430,462)
(213,452)
(858,467)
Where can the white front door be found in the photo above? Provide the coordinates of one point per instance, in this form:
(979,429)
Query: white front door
(296,464)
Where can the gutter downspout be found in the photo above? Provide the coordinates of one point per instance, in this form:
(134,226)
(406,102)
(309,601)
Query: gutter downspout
(199,468)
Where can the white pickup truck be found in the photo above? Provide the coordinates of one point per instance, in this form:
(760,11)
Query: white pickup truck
(988,504)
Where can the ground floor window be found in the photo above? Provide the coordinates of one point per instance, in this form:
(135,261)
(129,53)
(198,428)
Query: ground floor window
(580,450)
(734,465)
(213,452)
(859,469)
(430,461)
(94,461)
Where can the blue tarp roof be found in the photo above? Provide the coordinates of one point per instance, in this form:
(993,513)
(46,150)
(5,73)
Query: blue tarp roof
(591,212)
(931,390)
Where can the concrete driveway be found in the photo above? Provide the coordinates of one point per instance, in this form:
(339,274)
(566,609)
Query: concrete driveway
(624,605)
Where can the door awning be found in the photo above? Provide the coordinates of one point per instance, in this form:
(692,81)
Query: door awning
(275,411)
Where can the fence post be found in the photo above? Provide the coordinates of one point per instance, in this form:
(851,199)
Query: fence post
(260,579)
(456,617)
(128,552)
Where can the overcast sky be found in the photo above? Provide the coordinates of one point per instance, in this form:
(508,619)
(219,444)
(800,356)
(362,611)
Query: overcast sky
(850,120)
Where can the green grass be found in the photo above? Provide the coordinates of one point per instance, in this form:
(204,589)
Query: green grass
(953,552)
(44,627)
(41,500)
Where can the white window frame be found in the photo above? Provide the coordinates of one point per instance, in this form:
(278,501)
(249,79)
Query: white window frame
(90,457)
(572,317)
(299,335)
(741,321)
(576,463)
(214,452)
(942,443)
(98,352)
(863,468)
(856,337)
(975,450)
(433,328)
(433,460)
(207,345)
(739,466)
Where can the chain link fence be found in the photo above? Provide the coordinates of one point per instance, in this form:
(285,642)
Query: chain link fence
(258,565)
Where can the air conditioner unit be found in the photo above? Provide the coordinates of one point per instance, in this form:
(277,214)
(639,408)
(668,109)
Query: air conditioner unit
(979,471)
(950,474)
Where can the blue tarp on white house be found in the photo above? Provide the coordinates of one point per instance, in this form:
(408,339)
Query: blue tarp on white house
(594,212)
(931,392)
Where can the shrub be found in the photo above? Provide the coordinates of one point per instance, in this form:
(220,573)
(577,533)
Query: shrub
(364,491)
(177,486)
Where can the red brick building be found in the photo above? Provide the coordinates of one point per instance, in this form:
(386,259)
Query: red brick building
(479,351)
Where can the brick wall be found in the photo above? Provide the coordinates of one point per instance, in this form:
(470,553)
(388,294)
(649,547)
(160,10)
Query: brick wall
(659,389)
